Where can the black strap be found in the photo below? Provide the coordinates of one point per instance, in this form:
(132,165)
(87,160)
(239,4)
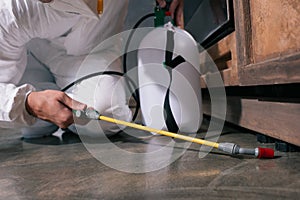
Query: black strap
(171,64)
(169,47)
(176,61)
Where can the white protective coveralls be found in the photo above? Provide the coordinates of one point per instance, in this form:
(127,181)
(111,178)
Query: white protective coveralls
(42,45)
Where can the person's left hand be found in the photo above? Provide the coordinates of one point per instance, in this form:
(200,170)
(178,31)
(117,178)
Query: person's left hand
(176,8)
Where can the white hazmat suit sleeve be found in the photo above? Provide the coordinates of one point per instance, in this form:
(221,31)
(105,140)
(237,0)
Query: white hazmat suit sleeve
(13,58)
(13,113)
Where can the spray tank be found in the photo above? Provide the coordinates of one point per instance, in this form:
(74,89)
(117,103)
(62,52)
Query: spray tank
(169,78)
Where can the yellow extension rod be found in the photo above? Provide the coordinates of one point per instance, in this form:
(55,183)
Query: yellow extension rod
(231,148)
(161,132)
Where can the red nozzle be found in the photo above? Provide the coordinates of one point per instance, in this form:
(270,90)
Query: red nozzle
(265,153)
(168,13)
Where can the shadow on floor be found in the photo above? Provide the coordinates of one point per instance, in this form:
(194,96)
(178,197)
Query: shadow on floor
(67,137)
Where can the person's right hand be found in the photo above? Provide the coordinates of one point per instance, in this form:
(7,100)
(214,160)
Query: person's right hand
(54,106)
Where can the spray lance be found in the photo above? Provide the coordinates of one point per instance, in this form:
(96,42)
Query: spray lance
(230,148)
(165,38)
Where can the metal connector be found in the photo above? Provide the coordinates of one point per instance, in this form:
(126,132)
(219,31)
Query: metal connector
(92,114)
(230,148)
(235,149)
(88,113)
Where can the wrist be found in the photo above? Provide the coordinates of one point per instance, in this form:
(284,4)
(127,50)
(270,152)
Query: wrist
(27,104)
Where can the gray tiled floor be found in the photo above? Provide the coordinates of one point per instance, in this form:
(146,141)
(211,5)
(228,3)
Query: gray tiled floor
(62,168)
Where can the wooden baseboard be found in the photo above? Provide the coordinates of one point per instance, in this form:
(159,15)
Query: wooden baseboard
(275,119)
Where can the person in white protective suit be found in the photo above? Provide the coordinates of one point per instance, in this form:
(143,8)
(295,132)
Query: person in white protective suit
(42,46)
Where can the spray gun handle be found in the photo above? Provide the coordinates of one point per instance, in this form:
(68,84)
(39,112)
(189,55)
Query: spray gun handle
(162,13)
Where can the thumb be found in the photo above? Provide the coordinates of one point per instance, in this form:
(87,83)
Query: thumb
(72,104)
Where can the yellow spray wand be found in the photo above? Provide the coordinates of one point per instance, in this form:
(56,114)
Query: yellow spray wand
(226,147)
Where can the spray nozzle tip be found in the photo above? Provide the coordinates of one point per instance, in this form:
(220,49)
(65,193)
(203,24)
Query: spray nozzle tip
(265,153)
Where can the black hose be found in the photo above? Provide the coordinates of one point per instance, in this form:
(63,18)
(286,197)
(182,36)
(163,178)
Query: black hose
(130,37)
(90,76)
(130,83)
(135,95)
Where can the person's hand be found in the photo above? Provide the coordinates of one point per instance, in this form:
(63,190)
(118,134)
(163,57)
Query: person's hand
(176,8)
(54,106)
